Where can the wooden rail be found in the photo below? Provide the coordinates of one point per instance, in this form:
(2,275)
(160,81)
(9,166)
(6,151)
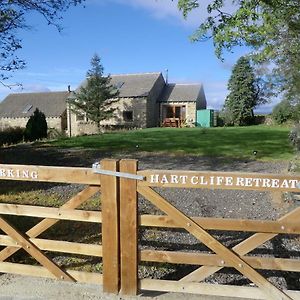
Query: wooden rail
(262,263)
(51,213)
(48,174)
(220,180)
(28,270)
(210,289)
(246,225)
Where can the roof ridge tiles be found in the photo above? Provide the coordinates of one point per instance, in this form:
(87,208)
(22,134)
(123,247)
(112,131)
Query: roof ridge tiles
(185,83)
(135,74)
(36,93)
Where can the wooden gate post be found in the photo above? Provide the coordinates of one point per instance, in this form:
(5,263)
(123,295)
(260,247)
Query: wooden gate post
(110,227)
(128,229)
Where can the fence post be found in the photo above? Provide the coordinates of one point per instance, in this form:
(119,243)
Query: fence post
(128,229)
(110,227)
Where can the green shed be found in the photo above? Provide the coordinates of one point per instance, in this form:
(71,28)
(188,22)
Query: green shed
(205,118)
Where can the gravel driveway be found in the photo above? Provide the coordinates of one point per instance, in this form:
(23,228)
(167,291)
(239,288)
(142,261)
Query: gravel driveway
(194,202)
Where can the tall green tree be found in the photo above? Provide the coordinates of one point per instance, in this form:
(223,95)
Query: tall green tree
(13,19)
(244,94)
(36,127)
(270,27)
(95,99)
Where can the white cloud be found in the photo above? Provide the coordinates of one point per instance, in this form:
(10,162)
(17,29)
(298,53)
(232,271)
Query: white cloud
(166,9)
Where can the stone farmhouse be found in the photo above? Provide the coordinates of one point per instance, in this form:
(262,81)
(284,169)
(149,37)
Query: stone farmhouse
(144,100)
(16,109)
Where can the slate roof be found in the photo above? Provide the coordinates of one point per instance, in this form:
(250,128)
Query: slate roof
(180,93)
(132,85)
(52,104)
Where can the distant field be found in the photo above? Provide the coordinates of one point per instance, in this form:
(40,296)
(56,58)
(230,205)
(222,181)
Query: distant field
(270,142)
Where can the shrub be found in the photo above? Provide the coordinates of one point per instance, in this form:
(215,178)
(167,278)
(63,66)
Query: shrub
(36,127)
(225,118)
(11,135)
(285,111)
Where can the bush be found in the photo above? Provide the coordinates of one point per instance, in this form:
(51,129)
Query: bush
(36,127)
(225,118)
(285,111)
(11,135)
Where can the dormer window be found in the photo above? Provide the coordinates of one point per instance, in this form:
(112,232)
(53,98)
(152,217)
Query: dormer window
(27,108)
(119,84)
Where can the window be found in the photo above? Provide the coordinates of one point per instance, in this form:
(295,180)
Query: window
(169,112)
(119,84)
(27,108)
(128,116)
(79,117)
(172,111)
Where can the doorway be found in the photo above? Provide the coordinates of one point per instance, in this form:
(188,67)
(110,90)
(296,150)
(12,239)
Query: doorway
(173,115)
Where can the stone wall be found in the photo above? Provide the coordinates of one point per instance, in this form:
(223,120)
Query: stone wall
(55,123)
(191,113)
(13,122)
(52,122)
(138,108)
(135,105)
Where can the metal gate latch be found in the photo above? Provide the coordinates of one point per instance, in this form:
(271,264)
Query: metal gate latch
(97,169)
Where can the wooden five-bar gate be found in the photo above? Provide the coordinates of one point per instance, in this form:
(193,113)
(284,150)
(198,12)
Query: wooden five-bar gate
(120,184)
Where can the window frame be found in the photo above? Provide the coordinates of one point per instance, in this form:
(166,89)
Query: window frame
(128,115)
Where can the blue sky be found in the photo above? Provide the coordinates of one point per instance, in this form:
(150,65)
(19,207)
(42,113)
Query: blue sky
(130,36)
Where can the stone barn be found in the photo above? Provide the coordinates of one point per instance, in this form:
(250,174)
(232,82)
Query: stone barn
(16,109)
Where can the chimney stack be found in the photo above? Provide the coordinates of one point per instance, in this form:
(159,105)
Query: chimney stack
(167,75)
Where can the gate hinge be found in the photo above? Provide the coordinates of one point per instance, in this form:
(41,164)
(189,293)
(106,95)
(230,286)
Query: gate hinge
(97,169)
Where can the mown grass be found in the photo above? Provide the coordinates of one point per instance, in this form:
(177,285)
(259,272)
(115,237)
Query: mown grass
(270,142)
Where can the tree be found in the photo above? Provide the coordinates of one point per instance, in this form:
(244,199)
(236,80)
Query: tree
(282,112)
(95,99)
(285,111)
(270,27)
(36,127)
(244,94)
(13,18)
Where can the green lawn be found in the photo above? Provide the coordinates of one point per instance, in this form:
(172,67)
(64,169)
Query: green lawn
(270,142)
